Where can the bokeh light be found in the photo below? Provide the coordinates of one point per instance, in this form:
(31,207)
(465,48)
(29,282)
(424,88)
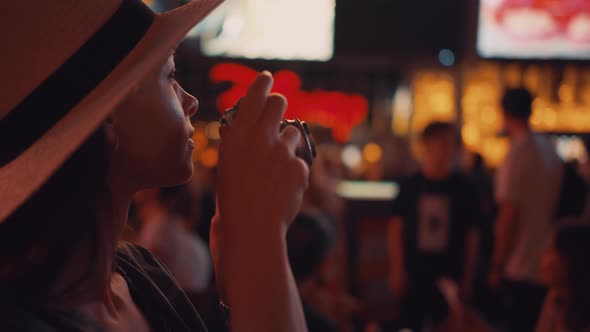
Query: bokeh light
(209,157)
(372,152)
(351,156)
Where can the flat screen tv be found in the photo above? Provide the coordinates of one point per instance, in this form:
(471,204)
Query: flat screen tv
(270,29)
(534,29)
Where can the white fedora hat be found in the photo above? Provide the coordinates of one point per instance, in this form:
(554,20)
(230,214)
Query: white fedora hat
(64,66)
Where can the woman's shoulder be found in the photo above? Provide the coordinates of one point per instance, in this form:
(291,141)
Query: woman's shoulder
(136,255)
(153,288)
(145,272)
(138,264)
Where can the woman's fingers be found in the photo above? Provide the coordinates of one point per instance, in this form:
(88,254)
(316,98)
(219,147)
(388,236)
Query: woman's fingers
(252,105)
(270,120)
(268,170)
(290,136)
(299,170)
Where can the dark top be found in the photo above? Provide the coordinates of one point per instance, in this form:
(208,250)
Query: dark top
(309,240)
(436,216)
(316,322)
(152,288)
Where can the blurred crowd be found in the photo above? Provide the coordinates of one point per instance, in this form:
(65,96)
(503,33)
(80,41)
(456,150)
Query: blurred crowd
(469,248)
(476,251)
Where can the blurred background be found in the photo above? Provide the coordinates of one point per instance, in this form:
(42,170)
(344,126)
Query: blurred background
(369,76)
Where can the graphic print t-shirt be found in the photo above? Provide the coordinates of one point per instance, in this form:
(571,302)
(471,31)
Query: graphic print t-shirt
(436,216)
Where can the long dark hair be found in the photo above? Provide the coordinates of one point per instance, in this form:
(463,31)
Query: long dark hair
(572,244)
(38,239)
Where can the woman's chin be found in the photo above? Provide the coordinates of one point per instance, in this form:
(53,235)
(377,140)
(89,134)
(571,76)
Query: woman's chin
(178,176)
(187,172)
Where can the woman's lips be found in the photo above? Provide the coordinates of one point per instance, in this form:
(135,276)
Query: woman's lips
(191,143)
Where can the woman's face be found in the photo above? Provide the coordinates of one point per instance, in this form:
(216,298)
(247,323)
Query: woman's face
(153,130)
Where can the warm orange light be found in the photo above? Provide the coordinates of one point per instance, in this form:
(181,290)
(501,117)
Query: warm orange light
(212,130)
(482,92)
(495,150)
(209,157)
(201,140)
(512,75)
(567,93)
(372,152)
(482,118)
(434,99)
(470,135)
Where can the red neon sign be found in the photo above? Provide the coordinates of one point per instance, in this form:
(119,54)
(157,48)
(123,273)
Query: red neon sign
(333,109)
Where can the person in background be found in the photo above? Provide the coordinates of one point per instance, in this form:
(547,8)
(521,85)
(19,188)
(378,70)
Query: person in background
(433,232)
(565,270)
(317,240)
(309,241)
(473,166)
(165,215)
(527,190)
(572,205)
(574,202)
(584,166)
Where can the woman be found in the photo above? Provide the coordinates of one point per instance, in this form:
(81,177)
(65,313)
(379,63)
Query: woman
(566,271)
(90,113)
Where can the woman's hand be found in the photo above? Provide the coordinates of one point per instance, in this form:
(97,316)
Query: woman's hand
(260,178)
(260,190)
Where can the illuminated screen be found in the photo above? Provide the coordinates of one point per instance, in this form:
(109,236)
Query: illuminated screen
(542,29)
(270,29)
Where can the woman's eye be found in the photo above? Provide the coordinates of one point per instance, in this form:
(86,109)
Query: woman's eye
(172,76)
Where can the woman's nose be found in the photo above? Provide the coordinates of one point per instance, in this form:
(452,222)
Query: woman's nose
(190,104)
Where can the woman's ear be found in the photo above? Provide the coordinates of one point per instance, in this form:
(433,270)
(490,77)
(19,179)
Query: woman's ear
(111,134)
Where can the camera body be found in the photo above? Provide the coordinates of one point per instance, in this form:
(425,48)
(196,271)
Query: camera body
(306,148)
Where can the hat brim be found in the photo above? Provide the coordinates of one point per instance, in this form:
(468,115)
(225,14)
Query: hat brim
(22,177)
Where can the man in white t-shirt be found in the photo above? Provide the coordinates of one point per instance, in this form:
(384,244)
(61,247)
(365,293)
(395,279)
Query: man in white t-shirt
(527,190)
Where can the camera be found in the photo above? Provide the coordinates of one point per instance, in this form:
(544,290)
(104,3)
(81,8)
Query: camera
(306,148)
